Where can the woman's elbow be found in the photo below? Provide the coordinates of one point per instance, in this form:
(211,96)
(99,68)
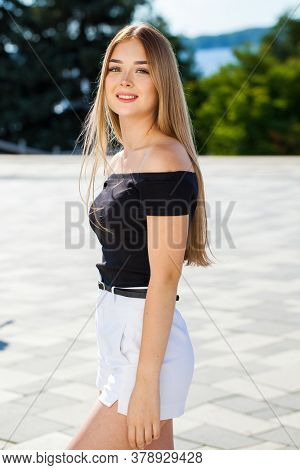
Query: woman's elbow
(163,277)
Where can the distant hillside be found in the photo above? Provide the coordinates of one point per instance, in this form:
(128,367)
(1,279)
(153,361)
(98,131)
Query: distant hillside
(252,35)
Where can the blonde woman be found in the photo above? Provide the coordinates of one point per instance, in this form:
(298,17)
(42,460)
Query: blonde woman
(149,217)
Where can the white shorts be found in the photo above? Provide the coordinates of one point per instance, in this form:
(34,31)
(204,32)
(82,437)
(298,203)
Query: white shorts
(119,322)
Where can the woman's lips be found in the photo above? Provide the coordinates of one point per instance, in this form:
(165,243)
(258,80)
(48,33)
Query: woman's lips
(127,100)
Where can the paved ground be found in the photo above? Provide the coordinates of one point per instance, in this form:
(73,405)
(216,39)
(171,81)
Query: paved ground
(243,313)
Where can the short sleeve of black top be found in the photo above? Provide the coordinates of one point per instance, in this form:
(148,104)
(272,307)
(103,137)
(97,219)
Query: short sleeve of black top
(123,206)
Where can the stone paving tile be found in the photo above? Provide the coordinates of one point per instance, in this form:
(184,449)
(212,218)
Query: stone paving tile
(280,436)
(74,371)
(199,394)
(273,311)
(246,387)
(294,334)
(13,357)
(241,342)
(182,444)
(194,324)
(290,419)
(229,360)
(70,430)
(15,378)
(37,386)
(287,378)
(60,348)
(283,345)
(37,365)
(44,401)
(69,415)
(182,424)
(251,367)
(16,426)
(85,353)
(267,413)
(204,355)
(267,445)
(50,441)
(290,400)
(224,321)
(76,390)
(280,359)
(209,375)
(268,327)
(229,419)
(6,396)
(31,338)
(242,404)
(218,437)
(89,378)
(4,445)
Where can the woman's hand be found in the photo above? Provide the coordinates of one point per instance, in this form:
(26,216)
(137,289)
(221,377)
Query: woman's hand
(143,416)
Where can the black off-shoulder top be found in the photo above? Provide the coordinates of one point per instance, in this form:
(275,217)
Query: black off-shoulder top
(122,207)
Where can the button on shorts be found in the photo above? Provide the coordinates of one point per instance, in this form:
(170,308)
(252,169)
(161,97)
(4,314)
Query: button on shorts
(119,323)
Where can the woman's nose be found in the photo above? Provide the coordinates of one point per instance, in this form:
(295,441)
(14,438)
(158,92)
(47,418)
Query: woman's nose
(126,78)
(125,82)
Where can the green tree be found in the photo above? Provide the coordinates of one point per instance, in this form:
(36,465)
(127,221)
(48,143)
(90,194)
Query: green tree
(251,108)
(50,56)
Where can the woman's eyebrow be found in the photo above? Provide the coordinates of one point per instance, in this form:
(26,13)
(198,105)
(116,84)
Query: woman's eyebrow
(136,62)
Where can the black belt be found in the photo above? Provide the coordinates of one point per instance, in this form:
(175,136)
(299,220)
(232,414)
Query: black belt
(139,293)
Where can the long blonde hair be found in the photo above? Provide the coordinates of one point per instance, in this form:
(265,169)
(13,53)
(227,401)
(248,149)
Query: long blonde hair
(102,125)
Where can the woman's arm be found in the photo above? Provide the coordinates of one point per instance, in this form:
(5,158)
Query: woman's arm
(167,237)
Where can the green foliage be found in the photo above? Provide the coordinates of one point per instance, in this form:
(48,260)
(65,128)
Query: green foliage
(50,57)
(252,107)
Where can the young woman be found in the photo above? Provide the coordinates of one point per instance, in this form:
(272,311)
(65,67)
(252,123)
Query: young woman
(149,218)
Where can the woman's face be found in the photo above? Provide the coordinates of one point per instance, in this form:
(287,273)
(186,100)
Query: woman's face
(124,76)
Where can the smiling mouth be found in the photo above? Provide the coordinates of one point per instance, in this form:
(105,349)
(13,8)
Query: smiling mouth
(126,98)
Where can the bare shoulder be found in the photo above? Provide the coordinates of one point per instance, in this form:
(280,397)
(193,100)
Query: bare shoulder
(171,156)
(114,162)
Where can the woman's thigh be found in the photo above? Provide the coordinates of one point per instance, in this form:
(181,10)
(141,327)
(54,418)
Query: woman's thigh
(106,429)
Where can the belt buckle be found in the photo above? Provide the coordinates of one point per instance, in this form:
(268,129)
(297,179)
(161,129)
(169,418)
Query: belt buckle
(103,285)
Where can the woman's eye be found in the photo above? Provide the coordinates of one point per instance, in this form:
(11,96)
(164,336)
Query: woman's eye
(118,68)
